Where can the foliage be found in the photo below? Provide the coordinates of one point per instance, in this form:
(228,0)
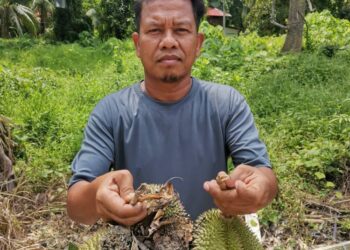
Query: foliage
(70,21)
(47,95)
(220,50)
(235,8)
(45,8)
(258,18)
(326,30)
(338,8)
(16,19)
(116,19)
(86,39)
(220,54)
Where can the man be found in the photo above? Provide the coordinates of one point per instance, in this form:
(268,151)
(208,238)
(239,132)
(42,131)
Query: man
(169,125)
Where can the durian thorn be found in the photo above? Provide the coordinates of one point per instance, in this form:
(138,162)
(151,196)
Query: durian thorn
(173,178)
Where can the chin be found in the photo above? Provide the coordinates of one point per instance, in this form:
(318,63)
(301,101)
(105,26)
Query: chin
(172,78)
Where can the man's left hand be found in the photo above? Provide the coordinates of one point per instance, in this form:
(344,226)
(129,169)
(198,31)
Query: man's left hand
(248,190)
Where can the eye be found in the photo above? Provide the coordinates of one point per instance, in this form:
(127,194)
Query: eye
(154,31)
(182,30)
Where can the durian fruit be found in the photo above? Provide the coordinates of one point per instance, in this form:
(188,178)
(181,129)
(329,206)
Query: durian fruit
(92,243)
(213,231)
(168,226)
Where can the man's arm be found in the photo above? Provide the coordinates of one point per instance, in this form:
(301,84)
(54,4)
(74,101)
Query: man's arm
(106,197)
(249,189)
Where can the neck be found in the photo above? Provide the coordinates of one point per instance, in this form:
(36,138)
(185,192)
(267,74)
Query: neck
(167,92)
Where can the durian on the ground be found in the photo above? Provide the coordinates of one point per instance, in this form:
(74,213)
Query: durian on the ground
(168,227)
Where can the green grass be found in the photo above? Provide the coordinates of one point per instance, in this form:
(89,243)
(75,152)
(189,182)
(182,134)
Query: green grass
(48,91)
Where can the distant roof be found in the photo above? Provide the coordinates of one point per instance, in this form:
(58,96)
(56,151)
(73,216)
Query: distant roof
(216,12)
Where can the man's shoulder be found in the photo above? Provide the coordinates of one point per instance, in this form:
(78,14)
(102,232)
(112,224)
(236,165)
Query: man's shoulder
(120,97)
(219,91)
(117,101)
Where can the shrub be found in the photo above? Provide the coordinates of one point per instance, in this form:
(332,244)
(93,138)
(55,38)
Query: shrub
(326,30)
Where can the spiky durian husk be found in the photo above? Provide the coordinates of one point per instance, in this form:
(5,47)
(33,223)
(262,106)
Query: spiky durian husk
(93,243)
(175,233)
(213,231)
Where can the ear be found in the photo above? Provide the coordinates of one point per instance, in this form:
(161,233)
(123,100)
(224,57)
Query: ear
(135,38)
(200,40)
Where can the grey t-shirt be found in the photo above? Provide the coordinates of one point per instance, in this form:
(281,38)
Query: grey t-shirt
(191,138)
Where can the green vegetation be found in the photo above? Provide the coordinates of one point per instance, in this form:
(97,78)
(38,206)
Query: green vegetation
(301,104)
(16,19)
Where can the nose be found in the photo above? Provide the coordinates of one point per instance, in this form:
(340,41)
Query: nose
(168,41)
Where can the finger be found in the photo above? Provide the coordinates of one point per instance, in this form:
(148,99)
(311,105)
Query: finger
(125,183)
(241,172)
(130,220)
(127,215)
(120,208)
(248,192)
(134,220)
(122,220)
(220,196)
(212,188)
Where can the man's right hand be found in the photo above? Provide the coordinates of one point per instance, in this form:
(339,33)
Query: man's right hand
(106,197)
(112,198)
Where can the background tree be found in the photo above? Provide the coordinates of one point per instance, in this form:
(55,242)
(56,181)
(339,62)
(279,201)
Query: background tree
(70,21)
(258,15)
(116,18)
(7,159)
(296,17)
(44,8)
(16,19)
(235,8)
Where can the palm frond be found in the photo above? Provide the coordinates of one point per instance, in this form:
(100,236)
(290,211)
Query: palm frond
(27,18)
(15,21)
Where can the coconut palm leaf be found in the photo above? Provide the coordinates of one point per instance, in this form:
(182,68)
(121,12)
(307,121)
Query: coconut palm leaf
(14,20)
(27,18)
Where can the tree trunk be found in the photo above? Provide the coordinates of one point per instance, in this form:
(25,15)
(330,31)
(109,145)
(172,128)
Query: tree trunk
(42,20)
(294,39)
(5,23)
(7,177)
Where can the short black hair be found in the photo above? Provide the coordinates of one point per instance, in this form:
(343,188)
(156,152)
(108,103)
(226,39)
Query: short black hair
(198,9)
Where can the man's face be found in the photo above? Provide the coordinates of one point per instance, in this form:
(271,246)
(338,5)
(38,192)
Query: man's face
(168,42)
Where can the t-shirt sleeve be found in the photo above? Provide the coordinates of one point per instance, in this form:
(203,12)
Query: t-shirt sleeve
(242,135)
(97,151)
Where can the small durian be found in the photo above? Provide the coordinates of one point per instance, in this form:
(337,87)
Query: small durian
(213,231)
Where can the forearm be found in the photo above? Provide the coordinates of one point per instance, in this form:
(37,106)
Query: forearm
(81,201)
